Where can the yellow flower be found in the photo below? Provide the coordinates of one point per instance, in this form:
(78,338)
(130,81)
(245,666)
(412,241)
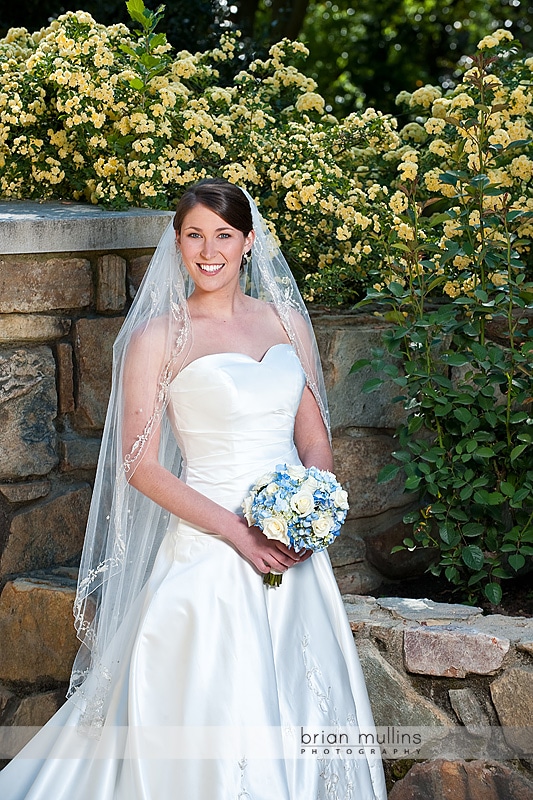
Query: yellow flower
(343,233)
(308,194)
(413,131)
(494,39)
(499,278)
(461,262)
(439,147)
(405,232)
(310,101)
(441,107)
(398,202)
(500,137)
(408,170)
(434,125)
(403,97)
(521,167)
(461,100)
(425,96)
(451,288)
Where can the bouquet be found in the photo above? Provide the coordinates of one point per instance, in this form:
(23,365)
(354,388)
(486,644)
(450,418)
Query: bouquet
(303,508)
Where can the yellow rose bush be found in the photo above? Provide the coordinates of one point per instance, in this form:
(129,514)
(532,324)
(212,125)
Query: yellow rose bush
(95,113)
(456,284)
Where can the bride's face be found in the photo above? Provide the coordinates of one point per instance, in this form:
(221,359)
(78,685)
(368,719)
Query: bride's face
(212,250)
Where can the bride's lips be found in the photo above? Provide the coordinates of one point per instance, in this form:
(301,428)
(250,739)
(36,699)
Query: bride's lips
(209,269)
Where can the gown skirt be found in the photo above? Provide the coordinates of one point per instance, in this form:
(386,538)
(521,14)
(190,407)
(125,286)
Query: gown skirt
(223,684)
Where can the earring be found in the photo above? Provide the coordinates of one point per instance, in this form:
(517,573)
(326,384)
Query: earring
(244,260)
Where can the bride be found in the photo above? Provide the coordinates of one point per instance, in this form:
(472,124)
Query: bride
(195,680)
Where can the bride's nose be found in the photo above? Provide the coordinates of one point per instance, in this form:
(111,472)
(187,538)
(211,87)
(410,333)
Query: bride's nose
(208,248)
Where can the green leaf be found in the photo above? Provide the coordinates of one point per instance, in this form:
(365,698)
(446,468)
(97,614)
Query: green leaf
(517,561)
(466,492)
(455,359)
(473,557)
(396,289)
(451,177)
(477,577)
(493,593)
(486,452)
(412,482)
(128,50)
(500,572)
(448,535)
(517,451)
(402,455)
(388,473)
(452,574)
(372,385)
(136,9)
(462,414)
(362,362)
(507,488)
(136,83)
(459,514)
(495,498)
(473,529)
(519,416)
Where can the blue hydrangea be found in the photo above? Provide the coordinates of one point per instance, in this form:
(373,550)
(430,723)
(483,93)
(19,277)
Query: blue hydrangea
(308,506)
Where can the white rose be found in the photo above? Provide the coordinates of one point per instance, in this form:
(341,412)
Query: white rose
(276,528)
(272,488)
(340,498)
(322,526)
(247,508)
(303,503)
(296,470)
(310,485)
(263,481)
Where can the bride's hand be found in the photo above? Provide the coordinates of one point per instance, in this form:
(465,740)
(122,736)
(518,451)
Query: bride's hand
(264,554)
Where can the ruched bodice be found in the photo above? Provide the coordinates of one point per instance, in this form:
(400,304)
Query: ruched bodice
(233,417)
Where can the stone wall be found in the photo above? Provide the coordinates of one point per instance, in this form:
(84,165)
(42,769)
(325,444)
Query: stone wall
(67,276)
(460,680)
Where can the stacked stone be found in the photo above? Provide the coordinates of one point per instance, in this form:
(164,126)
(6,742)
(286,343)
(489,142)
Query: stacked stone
(67,276)
(463,681)
(363,427)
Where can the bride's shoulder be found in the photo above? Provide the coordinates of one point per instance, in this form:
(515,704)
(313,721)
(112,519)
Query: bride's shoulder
(153,336)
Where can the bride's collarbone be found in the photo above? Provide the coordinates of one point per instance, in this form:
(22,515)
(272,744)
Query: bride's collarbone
(249,337)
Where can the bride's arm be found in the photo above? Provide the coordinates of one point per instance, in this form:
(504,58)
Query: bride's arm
(144,364)
(310,434)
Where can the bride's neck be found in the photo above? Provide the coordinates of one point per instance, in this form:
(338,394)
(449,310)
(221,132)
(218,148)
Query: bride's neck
(217,305)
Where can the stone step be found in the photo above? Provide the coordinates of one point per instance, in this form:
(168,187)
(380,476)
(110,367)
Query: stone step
(37,628)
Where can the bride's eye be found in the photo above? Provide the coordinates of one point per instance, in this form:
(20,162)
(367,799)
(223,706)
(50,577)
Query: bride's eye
(224,235)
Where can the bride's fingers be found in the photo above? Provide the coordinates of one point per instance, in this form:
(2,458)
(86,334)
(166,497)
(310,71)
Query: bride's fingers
(294,557)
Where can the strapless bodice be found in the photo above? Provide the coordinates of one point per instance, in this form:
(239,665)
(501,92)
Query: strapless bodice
(234,417)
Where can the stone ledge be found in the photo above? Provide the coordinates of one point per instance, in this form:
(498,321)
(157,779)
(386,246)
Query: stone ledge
(29,227)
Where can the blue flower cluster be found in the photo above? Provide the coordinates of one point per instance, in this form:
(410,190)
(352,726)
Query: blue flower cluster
(304,508)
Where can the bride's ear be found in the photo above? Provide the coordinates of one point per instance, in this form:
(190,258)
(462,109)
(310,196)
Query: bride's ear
(248,242)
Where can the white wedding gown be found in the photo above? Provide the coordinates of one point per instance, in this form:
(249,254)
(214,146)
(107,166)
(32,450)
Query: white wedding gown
(219,673)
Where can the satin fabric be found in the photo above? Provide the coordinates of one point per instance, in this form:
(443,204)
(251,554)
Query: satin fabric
(218,672)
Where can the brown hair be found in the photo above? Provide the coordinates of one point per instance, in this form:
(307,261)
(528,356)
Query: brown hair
(221,197)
